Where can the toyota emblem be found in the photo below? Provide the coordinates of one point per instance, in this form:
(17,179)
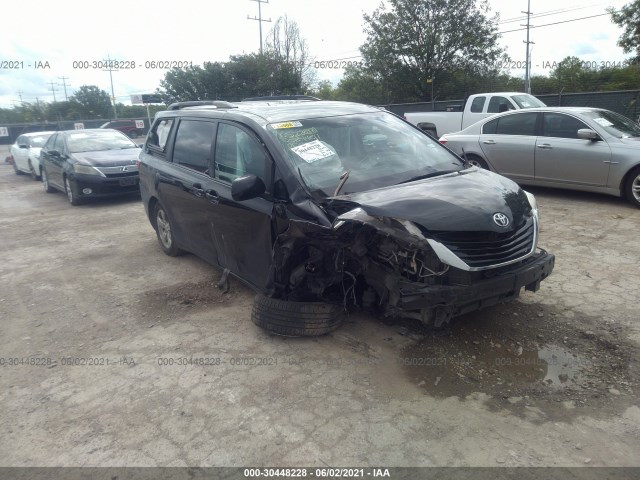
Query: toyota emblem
(501,219)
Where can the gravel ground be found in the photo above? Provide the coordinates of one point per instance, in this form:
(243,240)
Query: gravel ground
(114,354)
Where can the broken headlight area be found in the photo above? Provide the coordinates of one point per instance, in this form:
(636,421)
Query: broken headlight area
(388,265)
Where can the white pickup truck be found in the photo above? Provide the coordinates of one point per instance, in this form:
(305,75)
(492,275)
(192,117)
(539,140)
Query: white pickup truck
(476,108)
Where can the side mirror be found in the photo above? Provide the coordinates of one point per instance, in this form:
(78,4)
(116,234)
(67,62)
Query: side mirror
(23,145)
(247,187)
(588,134)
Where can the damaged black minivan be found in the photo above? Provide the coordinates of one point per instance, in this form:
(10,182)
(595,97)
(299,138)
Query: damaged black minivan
(322,207)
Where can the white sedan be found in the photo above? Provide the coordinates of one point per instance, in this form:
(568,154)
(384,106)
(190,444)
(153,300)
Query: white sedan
(26,153)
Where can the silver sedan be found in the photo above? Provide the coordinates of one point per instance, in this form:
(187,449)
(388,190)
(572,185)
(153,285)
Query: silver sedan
(565,147)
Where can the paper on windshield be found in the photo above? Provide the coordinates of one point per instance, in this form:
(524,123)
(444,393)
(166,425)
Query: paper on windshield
(313,151)
(602,122)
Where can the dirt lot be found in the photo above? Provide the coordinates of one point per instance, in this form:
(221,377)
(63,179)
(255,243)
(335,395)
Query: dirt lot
(97,326)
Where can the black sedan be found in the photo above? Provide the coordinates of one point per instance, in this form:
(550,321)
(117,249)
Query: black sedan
(89,163)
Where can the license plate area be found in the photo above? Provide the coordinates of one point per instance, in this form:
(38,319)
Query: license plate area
(127,182)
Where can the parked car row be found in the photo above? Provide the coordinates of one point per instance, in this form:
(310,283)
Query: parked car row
(83,164)
(588,149)
(325,206)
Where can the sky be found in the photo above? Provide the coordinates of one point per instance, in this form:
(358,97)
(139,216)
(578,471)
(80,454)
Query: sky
(48,45)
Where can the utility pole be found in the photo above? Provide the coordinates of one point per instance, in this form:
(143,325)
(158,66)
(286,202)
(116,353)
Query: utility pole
(113,95)
(20,96)
(259,18)
(527,75)
(53,89)
(64,84)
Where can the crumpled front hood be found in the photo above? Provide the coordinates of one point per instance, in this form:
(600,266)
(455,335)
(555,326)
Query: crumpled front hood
(108,158)
(465,201)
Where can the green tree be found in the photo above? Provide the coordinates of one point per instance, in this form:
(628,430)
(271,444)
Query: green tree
(91,102)
(628,17)
(413,41)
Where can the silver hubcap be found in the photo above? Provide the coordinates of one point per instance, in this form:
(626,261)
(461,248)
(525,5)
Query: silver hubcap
(475,163)
(635,188)
(67,187)
(164,228)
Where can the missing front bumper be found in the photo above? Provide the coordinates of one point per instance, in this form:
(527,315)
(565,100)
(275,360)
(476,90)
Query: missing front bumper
(439,303)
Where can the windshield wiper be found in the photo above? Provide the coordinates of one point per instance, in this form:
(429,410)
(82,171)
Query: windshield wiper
(428,175)
(343,179)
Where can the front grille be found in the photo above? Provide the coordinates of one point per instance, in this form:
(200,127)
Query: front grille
(485,249)
(117,171)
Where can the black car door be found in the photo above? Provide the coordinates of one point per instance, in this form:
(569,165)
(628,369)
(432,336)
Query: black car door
(51,159)
(183,183)
(243,230)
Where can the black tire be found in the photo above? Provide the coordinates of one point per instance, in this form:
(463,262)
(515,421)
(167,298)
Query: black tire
(295,319)
(34,175)
(134,134)
(477,161)
(15,168)
(164,231)
(632,187)
(71,189)
(45,182)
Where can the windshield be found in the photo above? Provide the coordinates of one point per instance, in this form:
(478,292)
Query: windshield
(94,141)
(614,123)
(527,101)
(377,149)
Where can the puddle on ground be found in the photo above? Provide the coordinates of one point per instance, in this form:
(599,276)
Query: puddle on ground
(446,375)
(527,358)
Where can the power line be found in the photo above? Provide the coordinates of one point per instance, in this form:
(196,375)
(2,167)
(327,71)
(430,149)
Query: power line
(548,13)
(554,23)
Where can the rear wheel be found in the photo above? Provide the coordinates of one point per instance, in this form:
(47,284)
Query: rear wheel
(15,168)
(477,161)
(164,231)
(295,319)
(632,187)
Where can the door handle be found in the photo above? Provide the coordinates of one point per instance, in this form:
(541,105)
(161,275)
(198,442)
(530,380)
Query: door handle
(489,142)
(545,146)
(197,190)
(212,196)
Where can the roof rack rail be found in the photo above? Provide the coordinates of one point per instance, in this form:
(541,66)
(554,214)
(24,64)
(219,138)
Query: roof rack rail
(199,103)
(281,97)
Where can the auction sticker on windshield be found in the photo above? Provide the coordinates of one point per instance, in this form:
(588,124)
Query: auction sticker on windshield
(277,126)
(313,151)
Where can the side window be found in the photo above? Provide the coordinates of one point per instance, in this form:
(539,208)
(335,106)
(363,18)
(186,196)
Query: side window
(478,104)
(192,147)
(490,128)
(517,124)
(560,125)
(238,154)
(50,143)
(159,134)
(21,140)
(499,104)
(59,143)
